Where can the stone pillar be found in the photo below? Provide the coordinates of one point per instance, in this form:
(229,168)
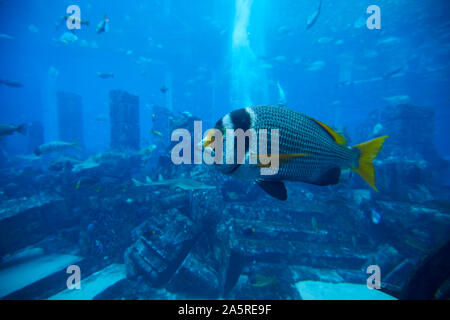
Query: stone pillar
(410,129)
(35,133)
(70,117)
(124,117)
(409,157)
(161,119)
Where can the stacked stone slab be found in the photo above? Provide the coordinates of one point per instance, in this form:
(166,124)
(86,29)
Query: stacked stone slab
(124,115)
(70,117)
(162,245)
(30,216)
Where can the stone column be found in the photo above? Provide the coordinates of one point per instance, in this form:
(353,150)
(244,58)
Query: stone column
(124,117)
(35,133)
(161,120)
(70,117)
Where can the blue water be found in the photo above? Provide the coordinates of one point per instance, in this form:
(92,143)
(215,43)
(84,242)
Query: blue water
(180,39)
(221,55)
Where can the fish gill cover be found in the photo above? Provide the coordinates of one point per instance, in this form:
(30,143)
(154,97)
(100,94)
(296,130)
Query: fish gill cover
(108,166)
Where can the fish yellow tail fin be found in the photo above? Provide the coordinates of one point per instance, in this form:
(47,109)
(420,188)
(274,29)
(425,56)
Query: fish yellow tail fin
(369,150)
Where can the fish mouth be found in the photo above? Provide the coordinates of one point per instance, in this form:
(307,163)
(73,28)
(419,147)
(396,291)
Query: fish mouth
(208,139)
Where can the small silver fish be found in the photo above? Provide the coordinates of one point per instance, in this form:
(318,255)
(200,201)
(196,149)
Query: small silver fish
(313,19)
(105,75)
(9,129)
(376,216)
(55,146)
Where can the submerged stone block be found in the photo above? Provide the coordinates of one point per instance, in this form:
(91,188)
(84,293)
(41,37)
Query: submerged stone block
(195,278)
(265,282)
(162,244)
(27,220)
(206,271)
(70,117)
(124,117)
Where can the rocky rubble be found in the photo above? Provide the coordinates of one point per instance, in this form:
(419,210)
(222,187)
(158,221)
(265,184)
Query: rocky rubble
(232,241)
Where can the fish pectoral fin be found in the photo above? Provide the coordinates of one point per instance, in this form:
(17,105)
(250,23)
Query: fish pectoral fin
(282,158)
(290,156)
(276,189)
(330,177)
(338,138)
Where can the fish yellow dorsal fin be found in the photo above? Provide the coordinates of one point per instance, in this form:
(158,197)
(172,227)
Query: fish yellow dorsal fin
(338,138)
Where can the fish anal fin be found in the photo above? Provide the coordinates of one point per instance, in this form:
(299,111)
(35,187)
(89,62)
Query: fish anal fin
(338,138)
(276,189)
(330,177)
(367,172)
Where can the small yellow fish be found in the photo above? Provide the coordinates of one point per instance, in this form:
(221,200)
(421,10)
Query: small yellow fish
(260,280)
(78,185)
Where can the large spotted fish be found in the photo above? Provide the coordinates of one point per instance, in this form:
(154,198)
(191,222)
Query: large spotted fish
(309,150)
